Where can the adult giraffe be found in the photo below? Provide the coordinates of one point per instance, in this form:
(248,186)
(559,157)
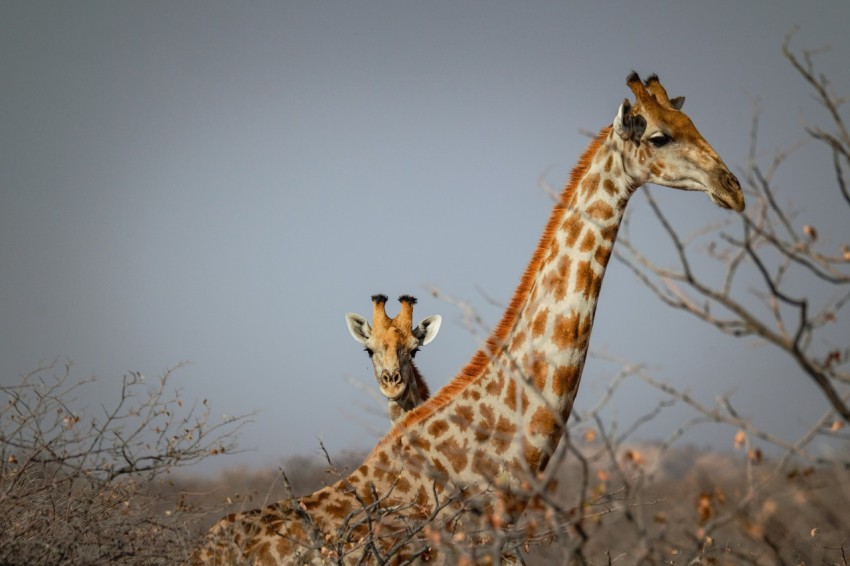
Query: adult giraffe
(502,416)
(391,344)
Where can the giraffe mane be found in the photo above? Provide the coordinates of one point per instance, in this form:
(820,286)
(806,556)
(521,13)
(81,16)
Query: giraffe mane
(420,382)
(475,367)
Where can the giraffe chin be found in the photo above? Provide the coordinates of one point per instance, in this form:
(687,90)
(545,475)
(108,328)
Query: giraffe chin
(394,395)
(727,201)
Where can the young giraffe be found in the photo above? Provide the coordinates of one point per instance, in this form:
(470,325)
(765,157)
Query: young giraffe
(392,343)
(502,417)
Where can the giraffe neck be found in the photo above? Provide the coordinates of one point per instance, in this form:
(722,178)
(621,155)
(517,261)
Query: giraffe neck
(514,397)
(547,341)
(422,390)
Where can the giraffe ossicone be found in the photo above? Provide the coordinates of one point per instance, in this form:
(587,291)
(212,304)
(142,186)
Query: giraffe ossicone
(504,414)
(392,344)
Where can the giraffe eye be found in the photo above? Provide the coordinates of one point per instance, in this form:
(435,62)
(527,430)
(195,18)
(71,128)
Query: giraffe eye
(413,352)
(369,351)
(660,140)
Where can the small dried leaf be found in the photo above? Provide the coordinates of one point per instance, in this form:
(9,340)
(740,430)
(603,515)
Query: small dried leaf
(769,507)
(704,509)
(740,438)
(810,232)
(635,457)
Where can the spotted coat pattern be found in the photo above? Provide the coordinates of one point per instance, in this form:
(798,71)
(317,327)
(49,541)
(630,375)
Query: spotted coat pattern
(501,418)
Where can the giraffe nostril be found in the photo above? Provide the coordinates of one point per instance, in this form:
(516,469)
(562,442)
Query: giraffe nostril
(730,181)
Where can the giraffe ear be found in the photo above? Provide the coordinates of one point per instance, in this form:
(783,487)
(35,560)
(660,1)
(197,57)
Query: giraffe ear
(677,102)
(359,327)
(622,123)
(627,125)
(427,329)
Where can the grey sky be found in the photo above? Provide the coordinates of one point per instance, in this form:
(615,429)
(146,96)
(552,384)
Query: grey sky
(221,182)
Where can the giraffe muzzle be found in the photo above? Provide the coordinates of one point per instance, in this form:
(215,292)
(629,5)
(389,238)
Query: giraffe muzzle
(392,385)
(728,193)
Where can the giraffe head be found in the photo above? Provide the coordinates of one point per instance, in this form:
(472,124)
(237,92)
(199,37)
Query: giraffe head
(663,147)
(392,343)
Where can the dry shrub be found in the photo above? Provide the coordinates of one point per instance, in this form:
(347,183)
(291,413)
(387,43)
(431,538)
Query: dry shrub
(80,488)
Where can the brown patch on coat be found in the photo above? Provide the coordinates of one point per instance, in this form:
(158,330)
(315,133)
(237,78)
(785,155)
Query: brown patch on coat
(453,453)
(462,417)
(588,282)
(600,211)
(504,435)
(588,186)
(437,428)
(339,509)
(383,466)
(494,386)
(402,484)
(536,371)
(554,250)
(486,424)
(543,422)
(555,282)
(573,225)
(511,397)
(422,496)
(532,456)
(518,340)
(539,324)
(484,465)
(602,255)
(440,473)
(565,334)
(566,379)
(609,233)
(588,241)
(418,441)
